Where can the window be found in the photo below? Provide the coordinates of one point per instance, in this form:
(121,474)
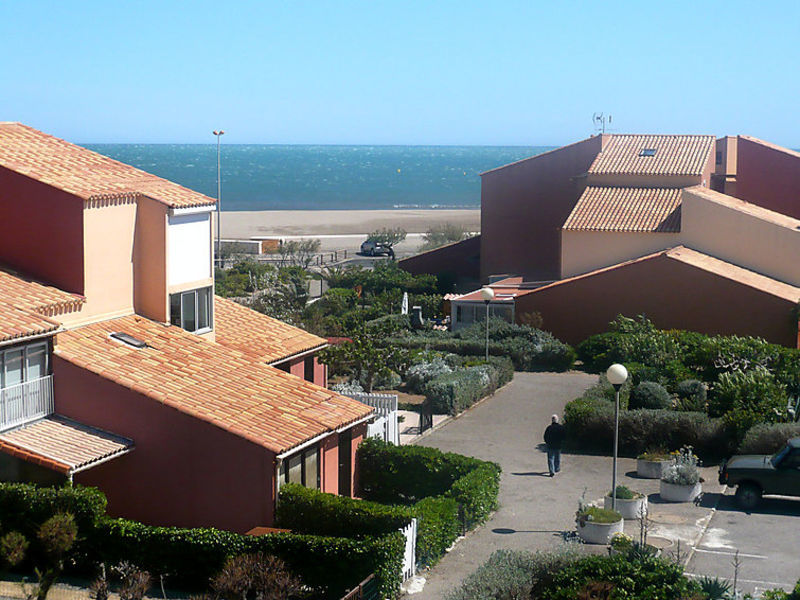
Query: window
(191,310)
(24,363)
(308,369)
(302,468)
(647,152)
(719,157)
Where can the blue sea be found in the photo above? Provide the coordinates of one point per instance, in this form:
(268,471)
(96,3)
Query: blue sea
(278,177)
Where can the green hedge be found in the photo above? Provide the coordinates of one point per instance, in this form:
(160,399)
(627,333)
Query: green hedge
(448,492)
(304,510)
(452,393)
(23,507)
(330,565)
(768,438)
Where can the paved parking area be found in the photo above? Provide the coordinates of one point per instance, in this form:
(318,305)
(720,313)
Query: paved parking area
(768,541)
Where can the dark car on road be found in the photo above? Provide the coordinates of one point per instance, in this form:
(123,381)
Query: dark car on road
(757,475)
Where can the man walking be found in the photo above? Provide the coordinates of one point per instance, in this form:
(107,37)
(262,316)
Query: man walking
(553,437)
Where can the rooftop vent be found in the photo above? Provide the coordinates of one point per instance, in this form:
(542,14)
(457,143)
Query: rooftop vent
(128,339)
(647,152)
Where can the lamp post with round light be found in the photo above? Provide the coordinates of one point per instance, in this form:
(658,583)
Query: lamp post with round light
(219,133)
(616,375)
(487,294)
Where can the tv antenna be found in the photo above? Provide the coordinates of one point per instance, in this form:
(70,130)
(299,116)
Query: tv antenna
(600,120)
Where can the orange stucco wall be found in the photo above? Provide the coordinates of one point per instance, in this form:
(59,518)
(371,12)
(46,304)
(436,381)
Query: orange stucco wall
(183,471)
(523,206)
(150,261)
(584,251)
(297,368)
(329,451)
(672,294)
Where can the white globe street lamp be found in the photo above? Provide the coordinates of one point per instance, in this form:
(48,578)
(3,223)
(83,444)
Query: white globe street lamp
(487,294)
(617,375)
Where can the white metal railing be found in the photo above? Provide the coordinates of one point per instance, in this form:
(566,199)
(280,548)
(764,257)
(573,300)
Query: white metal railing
(26,401)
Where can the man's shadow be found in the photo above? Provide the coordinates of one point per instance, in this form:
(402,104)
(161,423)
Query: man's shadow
(533,474)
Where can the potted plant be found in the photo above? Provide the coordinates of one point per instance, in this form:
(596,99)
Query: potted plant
(621,543)
(680,481)
(597,525)
(650,464)
(630,504)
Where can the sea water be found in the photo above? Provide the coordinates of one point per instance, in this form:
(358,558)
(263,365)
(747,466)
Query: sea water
(279,177)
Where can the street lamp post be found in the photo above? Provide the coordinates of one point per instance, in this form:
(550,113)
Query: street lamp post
(219,133)
(487,294)
(616,375)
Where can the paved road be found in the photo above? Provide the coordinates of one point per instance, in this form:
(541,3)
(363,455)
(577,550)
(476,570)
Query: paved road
(535,510)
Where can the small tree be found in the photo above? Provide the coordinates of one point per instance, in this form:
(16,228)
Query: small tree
(443,234)
(299,253)
(255,577)
(388,236)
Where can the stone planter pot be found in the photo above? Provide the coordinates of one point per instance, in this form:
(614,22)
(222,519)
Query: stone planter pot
(650,469)
(680,493)
(599,533)
(629,509)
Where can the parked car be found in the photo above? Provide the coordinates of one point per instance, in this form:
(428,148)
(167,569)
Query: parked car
(756,475)
(373,248)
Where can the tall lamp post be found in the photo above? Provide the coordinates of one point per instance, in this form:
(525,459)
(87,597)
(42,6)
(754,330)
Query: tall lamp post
(487,294)
(219,134)
(616,375)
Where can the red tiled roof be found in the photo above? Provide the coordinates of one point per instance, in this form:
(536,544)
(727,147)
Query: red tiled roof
(208,381)
(675,155)
(505,290)
(62,445)
(626,209)
(16,323)
(259,336)
(84,173)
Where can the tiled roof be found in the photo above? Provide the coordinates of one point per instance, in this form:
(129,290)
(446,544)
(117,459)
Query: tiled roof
(674,155)
(259,336)
(505,290)
(63,445)
(701,261)
(84,173)
(626,209)
(26,304)
(208,381)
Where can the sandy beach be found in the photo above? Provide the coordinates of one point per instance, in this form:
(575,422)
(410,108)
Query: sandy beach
(249,224)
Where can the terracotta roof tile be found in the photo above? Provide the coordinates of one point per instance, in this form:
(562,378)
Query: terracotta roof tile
(84,173)
(626,209)
(674,155)
(211,382)
(63,445)
(257,335)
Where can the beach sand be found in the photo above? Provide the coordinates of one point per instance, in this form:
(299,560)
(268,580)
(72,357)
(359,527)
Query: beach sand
(279,223)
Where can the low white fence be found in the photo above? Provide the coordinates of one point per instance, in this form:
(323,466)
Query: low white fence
(26,401)
(385,425)
(410,555)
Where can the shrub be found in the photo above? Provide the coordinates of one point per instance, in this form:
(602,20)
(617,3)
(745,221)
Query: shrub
(596,514)
(304,510)
(683,470)
(649,395)
(420,374)
(348,387)
(476,493)
(256,577)
(437,528)
(383,380)
(23,507)
(768,438)
(625,493)
(747,398)
(452,393)
(692,395)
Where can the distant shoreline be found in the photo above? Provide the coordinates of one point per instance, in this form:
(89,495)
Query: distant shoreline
(247,224)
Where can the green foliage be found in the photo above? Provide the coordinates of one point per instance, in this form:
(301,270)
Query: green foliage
(299,253)
(13,547)
(623,492)
(243,278)
(454,392)
(437,528)
(768,438)
(24,507)
(643,577)
(304,510)
(747,398)
(441,235)
(692,395)
(715,588)
(363,358)
(57,535)
(388,236)
(595,514)
(649,395)
(683,469)
(421,373)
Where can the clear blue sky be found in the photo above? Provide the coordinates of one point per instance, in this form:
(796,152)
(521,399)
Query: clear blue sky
(403,72)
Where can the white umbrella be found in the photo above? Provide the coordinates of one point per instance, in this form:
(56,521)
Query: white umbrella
(404,305)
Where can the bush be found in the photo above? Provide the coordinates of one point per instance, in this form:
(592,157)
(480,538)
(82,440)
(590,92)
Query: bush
(692,395)
(452,393)
(304,510)
(384,380)
(348,387)
(437,528)
(683,470)
(24,507)
(748,398)
(768,439)
(420,374)
(649,395)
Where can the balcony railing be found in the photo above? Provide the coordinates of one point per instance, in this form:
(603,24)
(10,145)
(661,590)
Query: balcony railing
(25,402)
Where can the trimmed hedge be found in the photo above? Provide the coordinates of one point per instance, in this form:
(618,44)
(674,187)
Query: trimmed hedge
(649,394)
(452,393)
(304,510)
(448,492)
(768,438)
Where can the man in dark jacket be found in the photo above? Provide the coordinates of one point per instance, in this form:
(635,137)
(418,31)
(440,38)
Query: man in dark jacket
(554,437)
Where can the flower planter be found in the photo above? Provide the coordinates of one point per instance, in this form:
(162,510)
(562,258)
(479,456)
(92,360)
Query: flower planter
(599,533)
(650,469)
(680,493)
(629,509)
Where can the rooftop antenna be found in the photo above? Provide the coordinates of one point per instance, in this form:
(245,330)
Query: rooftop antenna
(600,120)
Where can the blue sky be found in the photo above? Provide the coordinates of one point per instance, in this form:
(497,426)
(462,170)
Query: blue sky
(404,72)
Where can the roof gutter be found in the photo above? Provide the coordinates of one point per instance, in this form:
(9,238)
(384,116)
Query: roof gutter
(354,423)
(30,338)
(298,355)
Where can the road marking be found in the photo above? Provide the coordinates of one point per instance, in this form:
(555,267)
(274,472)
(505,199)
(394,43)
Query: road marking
(769,583)
(742,554)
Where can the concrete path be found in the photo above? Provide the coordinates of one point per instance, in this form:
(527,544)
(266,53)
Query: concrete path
(535,510)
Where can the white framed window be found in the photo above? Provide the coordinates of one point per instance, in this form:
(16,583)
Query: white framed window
(21,364)
(192,310)
(302,468)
